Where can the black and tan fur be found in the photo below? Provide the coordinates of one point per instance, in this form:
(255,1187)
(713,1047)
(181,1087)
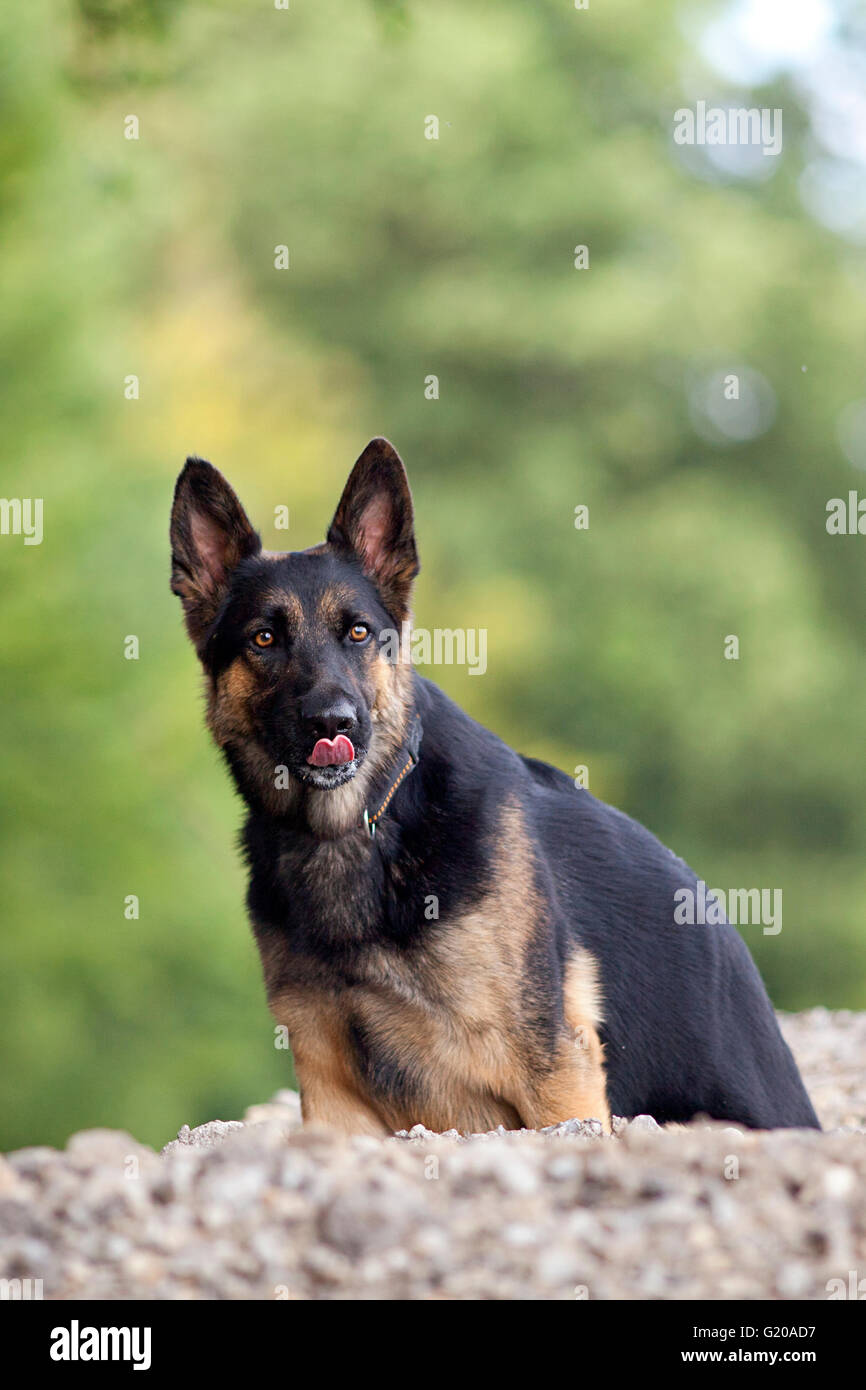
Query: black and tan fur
(502,950)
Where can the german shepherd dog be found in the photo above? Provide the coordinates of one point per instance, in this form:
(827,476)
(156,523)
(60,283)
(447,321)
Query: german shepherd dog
(451,933)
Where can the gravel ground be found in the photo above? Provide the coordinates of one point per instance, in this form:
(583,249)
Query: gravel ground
(261,1209)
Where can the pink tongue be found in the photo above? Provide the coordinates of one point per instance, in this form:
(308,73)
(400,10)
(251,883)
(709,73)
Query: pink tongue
(329,752)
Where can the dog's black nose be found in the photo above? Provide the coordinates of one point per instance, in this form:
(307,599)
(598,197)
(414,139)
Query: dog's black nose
(335,717)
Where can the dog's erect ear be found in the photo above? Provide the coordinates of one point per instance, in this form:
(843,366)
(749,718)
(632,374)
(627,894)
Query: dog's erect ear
(210,535)
(374,522)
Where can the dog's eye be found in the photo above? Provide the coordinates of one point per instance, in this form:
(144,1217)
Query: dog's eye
(358,632)
(264,638)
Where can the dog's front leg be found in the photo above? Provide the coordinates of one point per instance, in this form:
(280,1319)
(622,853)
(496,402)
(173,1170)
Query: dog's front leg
(331,1091)
(576,1088)
(324,1103)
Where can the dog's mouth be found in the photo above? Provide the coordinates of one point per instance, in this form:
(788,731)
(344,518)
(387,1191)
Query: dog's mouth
(331,763)
(332,752)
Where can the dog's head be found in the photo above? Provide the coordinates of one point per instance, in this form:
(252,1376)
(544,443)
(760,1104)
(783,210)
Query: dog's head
(304,694)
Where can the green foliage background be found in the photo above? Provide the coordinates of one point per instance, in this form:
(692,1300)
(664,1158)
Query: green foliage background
(408,257)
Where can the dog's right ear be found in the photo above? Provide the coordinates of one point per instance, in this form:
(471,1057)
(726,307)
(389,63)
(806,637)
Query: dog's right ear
(210,535)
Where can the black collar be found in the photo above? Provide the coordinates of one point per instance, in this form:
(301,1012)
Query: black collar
(406,762)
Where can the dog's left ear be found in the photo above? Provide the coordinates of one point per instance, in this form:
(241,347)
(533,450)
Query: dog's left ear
(374,522)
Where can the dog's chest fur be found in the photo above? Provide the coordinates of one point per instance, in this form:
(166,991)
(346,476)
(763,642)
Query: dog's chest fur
(440,1025)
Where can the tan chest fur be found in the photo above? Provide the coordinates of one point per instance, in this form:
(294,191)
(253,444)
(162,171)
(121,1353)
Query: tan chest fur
(448,1038)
